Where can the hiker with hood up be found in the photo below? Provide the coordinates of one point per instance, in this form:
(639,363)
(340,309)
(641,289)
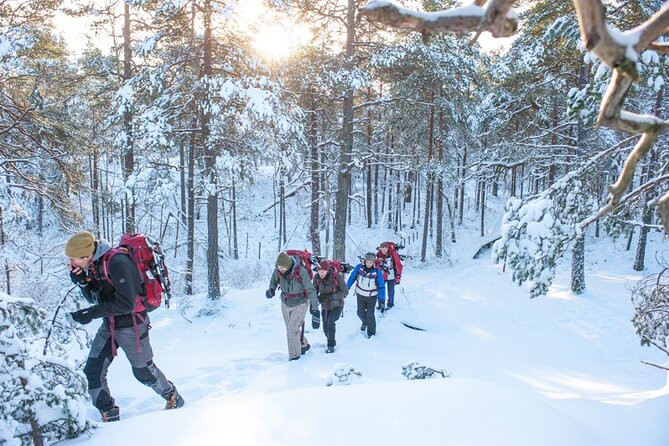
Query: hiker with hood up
(297,294)
(369,287)
(332,290)
(112,294)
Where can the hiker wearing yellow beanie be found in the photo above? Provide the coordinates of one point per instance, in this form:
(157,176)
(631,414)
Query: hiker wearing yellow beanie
(111,282)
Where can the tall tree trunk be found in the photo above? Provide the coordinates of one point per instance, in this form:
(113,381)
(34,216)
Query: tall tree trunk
(281,209)
(233,223)
(430,183)
(482,204)
(344,171)
(3,243)
(213,275)
(128,149)
(461,207)
(578,266)
(439,246)
(368,173)
(639,260)
(647,208)
(552,168)
(190,212)
(182,182)
(376,194)
(398,205)
(312,138)
(95,186)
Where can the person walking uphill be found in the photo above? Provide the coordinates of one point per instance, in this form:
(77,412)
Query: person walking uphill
(332,291)
(113,294)
(297,293)
(369,287)
(390,263)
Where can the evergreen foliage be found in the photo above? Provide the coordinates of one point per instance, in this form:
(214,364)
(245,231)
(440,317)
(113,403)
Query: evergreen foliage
(41,397)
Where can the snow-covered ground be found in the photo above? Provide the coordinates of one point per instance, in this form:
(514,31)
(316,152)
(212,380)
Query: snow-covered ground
(560,370)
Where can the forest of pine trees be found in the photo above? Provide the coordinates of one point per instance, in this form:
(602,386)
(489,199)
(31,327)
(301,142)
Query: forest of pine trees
(169,112)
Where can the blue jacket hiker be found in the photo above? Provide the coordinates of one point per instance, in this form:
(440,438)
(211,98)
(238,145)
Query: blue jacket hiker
(369,287)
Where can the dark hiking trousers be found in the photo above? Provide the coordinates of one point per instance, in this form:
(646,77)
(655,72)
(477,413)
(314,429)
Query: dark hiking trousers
(329,319)
(100,357)
(366,307)
(390,293)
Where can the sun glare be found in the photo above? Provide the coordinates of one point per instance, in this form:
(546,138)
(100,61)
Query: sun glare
(274,41)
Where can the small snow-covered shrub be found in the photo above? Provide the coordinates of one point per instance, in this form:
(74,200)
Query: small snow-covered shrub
(243,274)
(419,370)
(42,399)
(343,375)
(650,297)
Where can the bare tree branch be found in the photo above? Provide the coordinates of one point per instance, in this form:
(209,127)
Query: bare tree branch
(473,18)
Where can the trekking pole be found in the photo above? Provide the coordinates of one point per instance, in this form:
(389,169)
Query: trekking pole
(53,320)
(405,296)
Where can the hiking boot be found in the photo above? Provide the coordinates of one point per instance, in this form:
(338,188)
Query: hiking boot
(175,400)
(363,327)
(113,414)
(305,348)
(329,350)
(294,359)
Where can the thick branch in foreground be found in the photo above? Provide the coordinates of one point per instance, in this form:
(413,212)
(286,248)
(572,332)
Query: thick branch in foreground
(663,211)
(498,18)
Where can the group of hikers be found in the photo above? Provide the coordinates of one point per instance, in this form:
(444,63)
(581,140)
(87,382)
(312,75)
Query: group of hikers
(117,287)
(376,273)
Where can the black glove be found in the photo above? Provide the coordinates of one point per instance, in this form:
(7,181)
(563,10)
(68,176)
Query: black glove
(315,318)
(397,280)
(269,293)
(84,316)
(79,278)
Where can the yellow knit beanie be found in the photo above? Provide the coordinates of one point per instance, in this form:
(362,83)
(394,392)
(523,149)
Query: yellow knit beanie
(81,244)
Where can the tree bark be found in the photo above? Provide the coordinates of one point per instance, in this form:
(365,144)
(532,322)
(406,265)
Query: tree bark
(344,171)
(312,138)
(429,185)
(128,149)
(439,245)
(578,266)
(213,275)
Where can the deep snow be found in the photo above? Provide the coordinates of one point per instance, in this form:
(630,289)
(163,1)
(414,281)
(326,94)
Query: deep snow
(559,370)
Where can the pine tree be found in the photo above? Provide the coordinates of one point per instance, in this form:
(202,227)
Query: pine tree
(42,399)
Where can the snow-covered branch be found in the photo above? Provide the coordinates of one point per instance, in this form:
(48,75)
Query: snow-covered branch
(498,18)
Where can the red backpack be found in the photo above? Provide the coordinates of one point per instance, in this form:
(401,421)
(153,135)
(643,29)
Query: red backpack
(305,260)
(150,261)
(339,266)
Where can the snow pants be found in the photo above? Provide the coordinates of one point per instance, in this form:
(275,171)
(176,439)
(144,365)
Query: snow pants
(329,319)
(390,293)
(137,349)
(366,308)
(294,319)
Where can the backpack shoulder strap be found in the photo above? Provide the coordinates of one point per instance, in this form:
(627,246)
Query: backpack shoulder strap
(106,258)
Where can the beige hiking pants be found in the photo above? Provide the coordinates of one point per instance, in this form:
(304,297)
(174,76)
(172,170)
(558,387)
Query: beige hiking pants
(294,319)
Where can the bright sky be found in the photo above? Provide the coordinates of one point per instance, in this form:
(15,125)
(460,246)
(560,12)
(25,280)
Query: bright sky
(274,36)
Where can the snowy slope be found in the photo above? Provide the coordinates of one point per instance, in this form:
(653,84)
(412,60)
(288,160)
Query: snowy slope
(560,370)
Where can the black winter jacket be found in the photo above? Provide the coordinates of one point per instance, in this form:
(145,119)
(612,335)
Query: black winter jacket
(115,299)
